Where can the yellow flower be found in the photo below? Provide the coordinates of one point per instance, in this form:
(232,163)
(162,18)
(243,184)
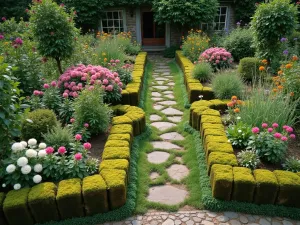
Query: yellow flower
(103,54)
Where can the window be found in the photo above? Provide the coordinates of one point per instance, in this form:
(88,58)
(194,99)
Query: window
(113,21)
(221,18)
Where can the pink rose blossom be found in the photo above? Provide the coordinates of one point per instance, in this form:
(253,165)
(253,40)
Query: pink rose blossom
(264,125)
(255,130)
(86,125)
(270,130)
(78,156)
(278,135)
(65,95)
(289,129)
(62,150)
(284,138)
(36,93)
(275,125)
(46,86)
(78,137)
(87,145)
(109,88)
(293,136)
(72,120)
(53,83)
(49,150)
(91,88)
(75,94)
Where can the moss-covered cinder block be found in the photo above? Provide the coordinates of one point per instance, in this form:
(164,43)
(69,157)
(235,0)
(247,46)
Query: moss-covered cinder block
(42,203)
(122,129)
(266,187)
(123,137)
(16,209)
(117,143)
(2,217)
(138,120)
(117,164)
(221,178)
(122,109)
(195,114)
(116,153)
(207,93)
(221,158)
(121,120)
(94,192)
(133,95)
(205,126)
(211,119)
(116,183)
(69,199)
(218,147)
(243,184)
(214,139)
(219,105)
(211,112)
(289,188)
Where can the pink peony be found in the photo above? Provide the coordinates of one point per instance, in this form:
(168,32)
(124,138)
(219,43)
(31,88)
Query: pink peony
(46,86)
(255,130)
(278,135)
(91,88)
(72,120)
(289,129)
(284,138)
(109,88)
(53,83)
(62,150)
(105,81)
(264,125)
(78,137)
(270,130)
(75,94)
(86,125)
(49,150)
(293,136)
(87,145)
(217,61)
(285,126)
(78,156)
(275,125)
(36,93)
(65,95)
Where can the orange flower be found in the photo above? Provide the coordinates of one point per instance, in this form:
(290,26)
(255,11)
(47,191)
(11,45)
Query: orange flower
(236,110)
(230,104)
(275,90)
(280,87)
(280,72)
(292,94)
(261,68)
(264,61)
(294,58)
(233,98)
(288,66)
(239,102)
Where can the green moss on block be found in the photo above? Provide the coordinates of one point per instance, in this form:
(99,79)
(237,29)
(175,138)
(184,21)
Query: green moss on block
(211,112)
(197,111)
(221,179)
(266,187)
(218,147)
(2,217)
(117,143)
(118,164)
(138,122)
(122,129)
(123,137)
(213,132)
(197,104)
(205,126)
(243,184)
(69,199)
(214,139)
(211,119)
(116,183)
(16,209)
(289,188)
(116,153)
(133,95)
(41,201)
(94,191)
(122,109)
(221,158)
(121,120)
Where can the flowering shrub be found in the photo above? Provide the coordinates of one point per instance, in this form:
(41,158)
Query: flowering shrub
(76,78)
(195,43)
(219,58)
(248,159)
(239,134)
(269,144)
(31,163)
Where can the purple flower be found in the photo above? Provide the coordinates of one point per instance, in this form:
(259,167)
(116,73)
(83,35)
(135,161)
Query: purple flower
(18,41)
(283,39)
(1,37)
(286,52)
(3,19)
(238,23)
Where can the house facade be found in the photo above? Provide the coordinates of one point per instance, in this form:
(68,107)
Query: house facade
(140,22)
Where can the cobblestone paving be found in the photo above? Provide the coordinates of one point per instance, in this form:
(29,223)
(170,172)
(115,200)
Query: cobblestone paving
(161,90)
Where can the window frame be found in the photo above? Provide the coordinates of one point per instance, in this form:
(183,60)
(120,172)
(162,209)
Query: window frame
(215,24)
(123,11)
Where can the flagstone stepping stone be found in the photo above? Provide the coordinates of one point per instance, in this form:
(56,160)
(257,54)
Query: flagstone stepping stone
(163,125)
(161,78)
(175,119)
(164,145)
(158,107)
(170,96)
(168,103)
(158,157)
(157,99)
(160,82)
(161,87)
(168,92)
(166,73)
(178,172)
(171,111)
(173,136)
(171,83)
(154,175)
(167,194)
(156,94)
(155,118)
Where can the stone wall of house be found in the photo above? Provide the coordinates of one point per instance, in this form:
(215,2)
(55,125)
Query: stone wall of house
(131,21)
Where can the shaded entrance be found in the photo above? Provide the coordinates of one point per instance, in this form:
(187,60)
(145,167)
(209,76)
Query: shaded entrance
(153,34)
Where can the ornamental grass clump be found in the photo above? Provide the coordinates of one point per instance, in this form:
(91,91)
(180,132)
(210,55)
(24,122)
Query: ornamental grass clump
(202,71)
(218,58)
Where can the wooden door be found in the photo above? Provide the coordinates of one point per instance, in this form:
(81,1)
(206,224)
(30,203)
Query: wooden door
(153,34)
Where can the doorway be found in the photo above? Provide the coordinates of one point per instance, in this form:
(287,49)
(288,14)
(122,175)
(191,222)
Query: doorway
(153,34)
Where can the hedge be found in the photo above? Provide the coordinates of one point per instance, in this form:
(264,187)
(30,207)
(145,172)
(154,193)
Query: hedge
(41,201)
(194,88)
(249,68)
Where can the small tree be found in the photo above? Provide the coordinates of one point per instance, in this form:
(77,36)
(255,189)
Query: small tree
(185,12)
(53,29)
(271,22)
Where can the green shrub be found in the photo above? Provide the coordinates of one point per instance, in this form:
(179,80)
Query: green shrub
(37,123)
(59,136)
(15,207)
(240,43)
(133,49)
(41,201)
(202,71)
(266,187)
(243,184)
(292,164)
(239,134)
(170,52)
(89,108)
(249,68)
(226,85)
(68,198)
(95,195)
(248,159)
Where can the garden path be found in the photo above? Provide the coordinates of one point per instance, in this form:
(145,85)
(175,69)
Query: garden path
(167,117)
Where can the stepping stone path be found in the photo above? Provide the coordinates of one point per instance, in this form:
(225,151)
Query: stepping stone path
(168,103)
(170,194)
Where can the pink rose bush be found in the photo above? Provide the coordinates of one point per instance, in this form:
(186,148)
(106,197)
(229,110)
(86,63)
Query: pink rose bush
(219,58)
(269,144)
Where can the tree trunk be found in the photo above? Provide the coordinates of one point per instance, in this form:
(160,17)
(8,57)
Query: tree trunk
(59,65)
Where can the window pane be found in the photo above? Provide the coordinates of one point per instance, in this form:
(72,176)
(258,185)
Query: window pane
(223,10)
(105,30)
(116,15)
(120,15)
(222,26)
(223,19)
(109,15)
(116,23)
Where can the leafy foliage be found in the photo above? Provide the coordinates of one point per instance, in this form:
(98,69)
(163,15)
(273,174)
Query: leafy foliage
(248,159)
(239,134)
(12,8)
(271,22)
(187,12)
(53,29)
(59,136)
(170,51)
(292,164)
